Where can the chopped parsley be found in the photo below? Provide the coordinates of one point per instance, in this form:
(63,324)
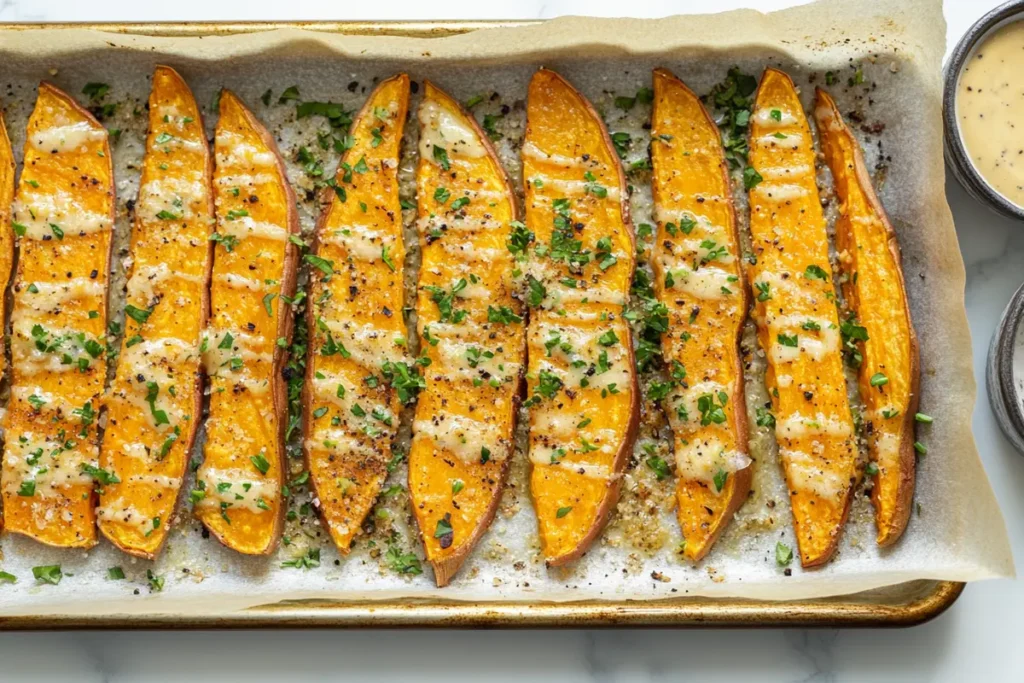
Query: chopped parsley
(783,554)
(49,573)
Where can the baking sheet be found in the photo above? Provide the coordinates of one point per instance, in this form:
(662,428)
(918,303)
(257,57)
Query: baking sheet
(958,534)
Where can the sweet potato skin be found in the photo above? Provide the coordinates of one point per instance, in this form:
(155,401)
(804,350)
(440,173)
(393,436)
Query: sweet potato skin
(347,483)
(6,233)
(150,486)
(874,289)
(692,189)
(240,412)
(446,487)
(64,144)
(568,149)
(798,324)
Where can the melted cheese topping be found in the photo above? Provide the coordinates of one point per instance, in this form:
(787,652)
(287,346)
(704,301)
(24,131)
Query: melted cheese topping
(235,281)
(798,426)
(173,195)
(464,437)
(49,464)
(532,151)
(781,191)
(365,344)
(119,510)
(707,282)
(806,474)
(48,297)
(570,188)
(704,459)
(220,350)
(242,154)
(55,215)
(144,284)
(361,242)
(245,226)
(440,129)
(544,455)
(236,489)
(67,138)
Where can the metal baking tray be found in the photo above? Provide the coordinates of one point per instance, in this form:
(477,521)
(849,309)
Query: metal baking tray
(905,604)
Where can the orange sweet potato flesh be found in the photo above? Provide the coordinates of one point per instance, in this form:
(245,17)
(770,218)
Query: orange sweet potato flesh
(169,277)
(582,385)
(254,267)
(6,234)
(349,430)
(64,212)
(696,222)
(798,325)
(874,290)
(474,337)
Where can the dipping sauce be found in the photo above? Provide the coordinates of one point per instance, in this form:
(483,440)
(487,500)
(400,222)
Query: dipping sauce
(990,105)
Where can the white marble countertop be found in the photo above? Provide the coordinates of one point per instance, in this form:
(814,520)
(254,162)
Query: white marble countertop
(977,639)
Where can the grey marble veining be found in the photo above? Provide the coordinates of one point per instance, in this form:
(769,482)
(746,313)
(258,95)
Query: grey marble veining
(976,640)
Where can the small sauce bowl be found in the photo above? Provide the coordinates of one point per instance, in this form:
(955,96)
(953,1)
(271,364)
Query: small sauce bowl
(957,157)
(1005,371)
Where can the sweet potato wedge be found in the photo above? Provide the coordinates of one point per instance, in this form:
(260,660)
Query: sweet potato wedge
(471,330)
(63,214)
(698,277)
(6,233)
(155,402)
(582,383)
(356,321)
(797,320)
(889,372)
(238,487)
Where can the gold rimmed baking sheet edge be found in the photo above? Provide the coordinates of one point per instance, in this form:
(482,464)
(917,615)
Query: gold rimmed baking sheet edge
(905,604)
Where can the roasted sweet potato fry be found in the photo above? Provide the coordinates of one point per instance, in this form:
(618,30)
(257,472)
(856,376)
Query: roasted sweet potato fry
(356,321)
(881,337)
(63,215)
(582,384)
(238,487)
(798,325)
(696,263)
(154,405)
(472,330)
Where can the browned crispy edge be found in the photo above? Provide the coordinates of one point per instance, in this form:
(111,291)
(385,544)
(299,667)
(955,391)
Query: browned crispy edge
(197,399)
(626,448)
(284,326)
(908,458)
(742,479)
(314,247)
(5,143)
(445,569)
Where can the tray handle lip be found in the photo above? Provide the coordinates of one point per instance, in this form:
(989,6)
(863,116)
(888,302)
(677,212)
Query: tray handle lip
(449,615)
(170,29)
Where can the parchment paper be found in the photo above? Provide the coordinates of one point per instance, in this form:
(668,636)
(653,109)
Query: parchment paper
(957,532)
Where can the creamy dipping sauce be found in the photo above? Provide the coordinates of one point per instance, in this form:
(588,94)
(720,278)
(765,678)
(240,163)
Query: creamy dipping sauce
(990,102)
